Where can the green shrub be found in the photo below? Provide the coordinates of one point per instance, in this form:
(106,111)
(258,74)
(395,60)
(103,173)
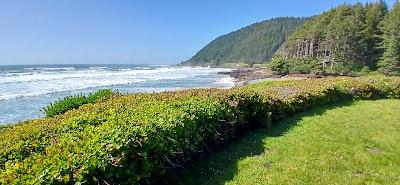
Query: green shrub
(2,127)
(294,66)
(279,65)
(131,139)
(365,70)
(72,102)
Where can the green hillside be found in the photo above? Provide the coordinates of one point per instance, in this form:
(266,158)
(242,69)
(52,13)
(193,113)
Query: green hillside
(346,38)
(252,44)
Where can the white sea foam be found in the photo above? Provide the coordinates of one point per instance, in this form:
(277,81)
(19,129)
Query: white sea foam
(41,81)
(98,68)
(226,82)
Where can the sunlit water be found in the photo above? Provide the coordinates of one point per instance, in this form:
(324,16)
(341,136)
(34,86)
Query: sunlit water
(25,90)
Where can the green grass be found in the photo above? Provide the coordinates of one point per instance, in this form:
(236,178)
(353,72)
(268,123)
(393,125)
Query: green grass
(354,143)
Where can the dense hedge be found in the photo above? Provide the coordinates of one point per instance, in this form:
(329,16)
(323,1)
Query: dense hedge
(129,139)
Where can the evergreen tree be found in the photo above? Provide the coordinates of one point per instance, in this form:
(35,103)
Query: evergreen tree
(344,39)
(390,61)
(374,14)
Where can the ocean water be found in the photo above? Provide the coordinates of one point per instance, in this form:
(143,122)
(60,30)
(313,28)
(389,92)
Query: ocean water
(25,90)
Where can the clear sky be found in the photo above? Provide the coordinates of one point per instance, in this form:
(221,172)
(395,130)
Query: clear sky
(130,31)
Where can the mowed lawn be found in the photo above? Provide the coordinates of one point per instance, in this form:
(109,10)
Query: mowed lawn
(355,143)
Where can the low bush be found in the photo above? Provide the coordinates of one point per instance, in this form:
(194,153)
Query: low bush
(294,66)
(2,127)
(72,102)
(131,139)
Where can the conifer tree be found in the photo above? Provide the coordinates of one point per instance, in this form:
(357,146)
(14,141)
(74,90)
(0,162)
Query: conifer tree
(374,14)
(344,39)
(390,61)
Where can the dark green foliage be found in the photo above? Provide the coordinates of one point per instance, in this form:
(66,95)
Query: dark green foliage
(296,66)
(130,139)
(280,65)
(72,102)
(342,40)
(374,14)
(251,45)
(390,61)
(2,127)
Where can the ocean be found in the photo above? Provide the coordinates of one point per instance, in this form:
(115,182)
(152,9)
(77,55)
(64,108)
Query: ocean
(26,89)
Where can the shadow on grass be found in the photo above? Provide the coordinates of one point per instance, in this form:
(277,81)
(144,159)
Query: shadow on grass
(221,165)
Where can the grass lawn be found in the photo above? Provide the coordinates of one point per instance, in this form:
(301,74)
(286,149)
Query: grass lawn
(354,143)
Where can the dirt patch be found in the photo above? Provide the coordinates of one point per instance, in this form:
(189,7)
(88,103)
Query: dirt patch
(373,150)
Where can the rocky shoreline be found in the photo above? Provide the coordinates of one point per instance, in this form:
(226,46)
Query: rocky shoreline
(245,76)
(250,75)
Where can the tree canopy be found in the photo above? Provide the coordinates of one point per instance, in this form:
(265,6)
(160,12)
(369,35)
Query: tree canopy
(390,27)
(346,38)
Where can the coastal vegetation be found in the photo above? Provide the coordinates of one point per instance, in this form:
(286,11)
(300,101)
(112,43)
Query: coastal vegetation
(348,38)
(253,44)
(136,138)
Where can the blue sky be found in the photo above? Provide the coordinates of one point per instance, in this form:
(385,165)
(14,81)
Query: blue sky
(129,31)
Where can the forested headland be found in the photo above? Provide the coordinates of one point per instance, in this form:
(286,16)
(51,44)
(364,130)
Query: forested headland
(346,39)
(253,44)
